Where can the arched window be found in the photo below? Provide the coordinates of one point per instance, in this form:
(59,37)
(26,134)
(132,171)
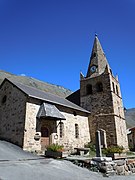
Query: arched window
(94,54)
(113,87)
(89,89)
(76,131)
(117,90)
(61,129)
(4,99)
(74,113)
(99,87)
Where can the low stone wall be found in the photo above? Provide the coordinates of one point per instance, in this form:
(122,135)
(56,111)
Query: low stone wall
(115,167)
(107,166)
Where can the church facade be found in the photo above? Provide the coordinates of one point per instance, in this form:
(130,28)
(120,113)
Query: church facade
(33,119)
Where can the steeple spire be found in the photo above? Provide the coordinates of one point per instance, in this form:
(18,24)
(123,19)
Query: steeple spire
(98,61)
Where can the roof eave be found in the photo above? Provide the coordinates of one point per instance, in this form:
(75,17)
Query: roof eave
(61,104)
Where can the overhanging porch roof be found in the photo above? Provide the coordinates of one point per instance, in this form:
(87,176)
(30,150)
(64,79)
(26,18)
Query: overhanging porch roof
(50,111)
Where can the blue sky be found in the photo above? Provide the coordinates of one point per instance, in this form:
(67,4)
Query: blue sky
(51,40)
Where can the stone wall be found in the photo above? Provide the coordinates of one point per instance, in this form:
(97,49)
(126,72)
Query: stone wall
(106,123)
(106,108)
(116,98)
(30,144)
(120,126)
(96,102)
(117,167)
(19,124)
(131,139)
(12,113)
(69,140)
(119,117)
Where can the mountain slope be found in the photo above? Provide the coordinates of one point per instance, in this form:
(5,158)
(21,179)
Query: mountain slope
(130,117)
(51,88)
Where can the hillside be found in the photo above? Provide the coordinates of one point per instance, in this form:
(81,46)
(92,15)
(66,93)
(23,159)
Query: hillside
(54,89)
(130,117)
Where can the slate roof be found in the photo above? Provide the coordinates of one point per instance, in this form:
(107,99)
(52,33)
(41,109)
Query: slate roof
(74,97)
(47,97)
(43,86)
(97,59)
(50,111)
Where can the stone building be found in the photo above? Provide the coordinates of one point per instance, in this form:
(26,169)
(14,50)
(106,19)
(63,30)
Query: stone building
(100,94)
(33,119)
(27,113)
(131,138)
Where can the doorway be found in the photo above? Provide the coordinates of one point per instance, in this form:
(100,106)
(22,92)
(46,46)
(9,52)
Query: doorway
(45,140)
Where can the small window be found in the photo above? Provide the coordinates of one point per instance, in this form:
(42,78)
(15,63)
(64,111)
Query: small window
(94,54)
(4,99)
(113,87)
(117,90)
(76,131)
(74,113)
(61,129)
(89,89)
(99,87)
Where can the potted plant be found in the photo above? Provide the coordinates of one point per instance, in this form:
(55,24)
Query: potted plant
(116,152)
(54,150)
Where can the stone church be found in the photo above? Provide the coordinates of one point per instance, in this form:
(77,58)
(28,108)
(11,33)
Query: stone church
(33,119)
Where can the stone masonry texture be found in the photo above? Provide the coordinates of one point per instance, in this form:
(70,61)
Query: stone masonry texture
(19,123)
(100,94)
(12,114)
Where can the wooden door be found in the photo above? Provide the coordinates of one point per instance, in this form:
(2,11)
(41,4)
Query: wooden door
(44,137)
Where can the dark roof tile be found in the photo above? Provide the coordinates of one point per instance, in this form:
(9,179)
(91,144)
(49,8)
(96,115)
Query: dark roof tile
(48,97)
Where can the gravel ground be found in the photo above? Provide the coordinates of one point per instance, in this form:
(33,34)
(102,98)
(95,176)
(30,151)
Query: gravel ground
(16,164)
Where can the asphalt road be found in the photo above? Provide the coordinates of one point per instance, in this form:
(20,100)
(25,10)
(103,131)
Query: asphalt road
(15,164)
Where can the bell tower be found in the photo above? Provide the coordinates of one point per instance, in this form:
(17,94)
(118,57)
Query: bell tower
(100,94)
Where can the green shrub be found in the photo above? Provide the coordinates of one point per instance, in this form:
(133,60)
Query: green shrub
(55,147)
(130,153)
(90,145)
(113,149)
